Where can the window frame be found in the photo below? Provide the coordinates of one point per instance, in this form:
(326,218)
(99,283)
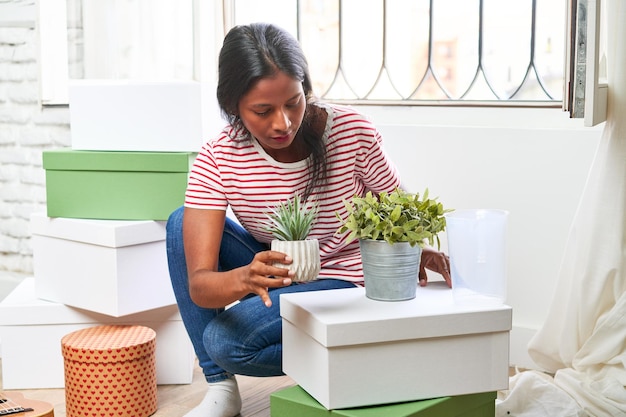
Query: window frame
(585,89)
(53,52)
(211,22)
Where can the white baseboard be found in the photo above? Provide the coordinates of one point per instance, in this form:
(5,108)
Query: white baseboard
(519,357)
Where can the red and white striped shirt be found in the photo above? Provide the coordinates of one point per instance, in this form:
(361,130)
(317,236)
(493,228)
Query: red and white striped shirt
(234,170)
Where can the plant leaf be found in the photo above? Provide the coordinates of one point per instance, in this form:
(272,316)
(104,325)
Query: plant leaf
(398,216)
(292,220)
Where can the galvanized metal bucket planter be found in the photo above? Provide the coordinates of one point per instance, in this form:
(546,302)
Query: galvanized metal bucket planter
(390,271)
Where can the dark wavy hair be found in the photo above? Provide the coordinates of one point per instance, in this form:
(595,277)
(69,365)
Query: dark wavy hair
(259,50)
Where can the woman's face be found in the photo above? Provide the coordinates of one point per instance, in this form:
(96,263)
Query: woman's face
(272,111)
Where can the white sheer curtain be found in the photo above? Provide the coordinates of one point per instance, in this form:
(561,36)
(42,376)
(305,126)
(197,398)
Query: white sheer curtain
(583,340)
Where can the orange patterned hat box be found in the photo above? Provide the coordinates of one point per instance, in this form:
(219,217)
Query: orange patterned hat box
(110,371)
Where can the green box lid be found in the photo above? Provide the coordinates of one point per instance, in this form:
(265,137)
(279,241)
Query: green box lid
(456,406)
(73,160)
(295,401)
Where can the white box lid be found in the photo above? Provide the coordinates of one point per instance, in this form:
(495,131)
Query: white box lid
(22,307)
(109,233)
(138,115)
(347,317)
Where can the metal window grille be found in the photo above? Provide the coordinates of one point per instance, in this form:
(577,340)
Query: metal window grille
(510,52)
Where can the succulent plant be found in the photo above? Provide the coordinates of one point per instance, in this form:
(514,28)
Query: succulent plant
(291,220)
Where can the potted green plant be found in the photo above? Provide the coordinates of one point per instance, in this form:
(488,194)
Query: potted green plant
(290,223)
(392,229)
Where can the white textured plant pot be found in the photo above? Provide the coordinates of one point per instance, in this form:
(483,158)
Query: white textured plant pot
(390,272)
(305,255)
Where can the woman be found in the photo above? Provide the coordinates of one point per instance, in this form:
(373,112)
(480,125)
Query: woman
(279,142)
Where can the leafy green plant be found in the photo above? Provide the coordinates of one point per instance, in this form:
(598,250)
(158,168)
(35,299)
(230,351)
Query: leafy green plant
(291,220)
(398,216)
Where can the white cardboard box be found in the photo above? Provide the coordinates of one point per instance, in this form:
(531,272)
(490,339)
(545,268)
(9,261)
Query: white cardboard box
(31,330)
(130,115)
(346,350)
(112,267)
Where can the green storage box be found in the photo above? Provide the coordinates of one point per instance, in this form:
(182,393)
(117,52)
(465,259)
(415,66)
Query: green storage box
(295,401)
(115,185)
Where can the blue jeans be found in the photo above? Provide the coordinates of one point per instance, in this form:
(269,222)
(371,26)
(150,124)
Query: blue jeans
(245,339)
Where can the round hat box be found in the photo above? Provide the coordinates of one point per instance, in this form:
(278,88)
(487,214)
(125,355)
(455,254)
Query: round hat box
(110,371)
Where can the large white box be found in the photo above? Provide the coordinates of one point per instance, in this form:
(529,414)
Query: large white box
(347,350)
(31,330)
(130,115)
(113,267)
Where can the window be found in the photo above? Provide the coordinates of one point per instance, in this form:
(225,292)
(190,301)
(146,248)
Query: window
(119,43)
(426,50)
(586,89)
(371,51)
(116,39)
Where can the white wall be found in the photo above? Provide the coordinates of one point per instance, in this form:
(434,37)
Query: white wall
(531,162)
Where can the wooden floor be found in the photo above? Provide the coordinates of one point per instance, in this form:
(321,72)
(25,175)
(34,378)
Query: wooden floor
(176,400)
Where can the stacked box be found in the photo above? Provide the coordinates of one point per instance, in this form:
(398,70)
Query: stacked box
(294,401)
(115,185)
(31,330)
(117,364)
(105,266)
(347,350)
(144,116)
(99,251)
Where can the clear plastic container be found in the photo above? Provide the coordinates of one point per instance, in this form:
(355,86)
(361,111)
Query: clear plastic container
(477,249)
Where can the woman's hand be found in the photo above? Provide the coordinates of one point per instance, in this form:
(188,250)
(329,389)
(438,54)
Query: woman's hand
(258,274)
(437,262)
(210,288)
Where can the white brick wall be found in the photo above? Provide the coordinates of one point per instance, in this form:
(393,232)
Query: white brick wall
(25,130)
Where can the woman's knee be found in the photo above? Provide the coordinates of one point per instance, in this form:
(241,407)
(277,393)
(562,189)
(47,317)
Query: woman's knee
(175,250)
(174,223)
(174,231)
